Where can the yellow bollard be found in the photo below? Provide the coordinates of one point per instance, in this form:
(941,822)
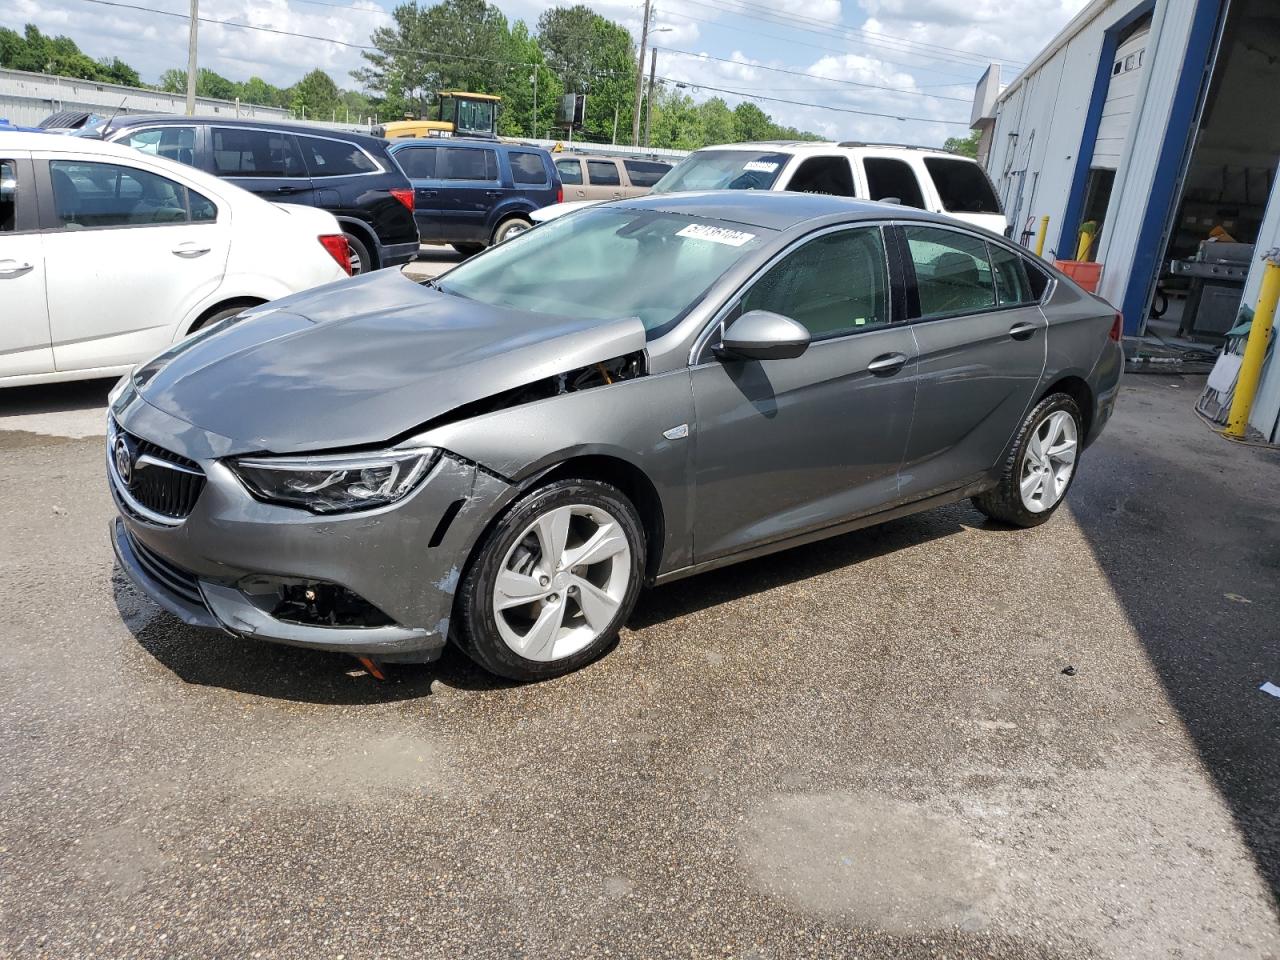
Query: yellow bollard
(1255,351)
(1044,229)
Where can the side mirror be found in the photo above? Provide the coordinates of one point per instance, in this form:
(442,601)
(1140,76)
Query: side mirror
(762,335)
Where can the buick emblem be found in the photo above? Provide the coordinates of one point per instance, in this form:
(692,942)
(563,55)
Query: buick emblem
(124,461)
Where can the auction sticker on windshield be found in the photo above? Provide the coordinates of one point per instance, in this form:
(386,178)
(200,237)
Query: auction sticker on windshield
(731,238)
(760,166)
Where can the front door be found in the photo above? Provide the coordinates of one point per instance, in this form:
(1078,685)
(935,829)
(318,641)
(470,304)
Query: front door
(128,253)
(787,446)
(469,188)
(24,315)
(981,340)
(265,162)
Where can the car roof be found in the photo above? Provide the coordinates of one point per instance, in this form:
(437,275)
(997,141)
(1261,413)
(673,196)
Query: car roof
(809,146)
(16,140)
(156,119)
(401,142)
(775,209)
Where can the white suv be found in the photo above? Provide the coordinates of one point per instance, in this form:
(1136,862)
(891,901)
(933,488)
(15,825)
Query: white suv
(912,176)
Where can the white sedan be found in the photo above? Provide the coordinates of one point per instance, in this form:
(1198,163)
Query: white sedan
(108,255)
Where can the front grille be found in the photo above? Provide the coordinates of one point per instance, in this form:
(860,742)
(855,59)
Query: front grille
(162,483)
(170,576)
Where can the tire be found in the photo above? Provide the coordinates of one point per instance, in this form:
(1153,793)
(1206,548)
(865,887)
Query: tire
(467,249)
(361,260)
(509,228)
(551,633)
(1055,419)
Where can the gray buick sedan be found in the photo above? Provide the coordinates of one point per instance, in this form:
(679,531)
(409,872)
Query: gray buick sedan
(625,396)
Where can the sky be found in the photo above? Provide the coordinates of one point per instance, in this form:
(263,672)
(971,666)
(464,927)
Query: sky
(832,57)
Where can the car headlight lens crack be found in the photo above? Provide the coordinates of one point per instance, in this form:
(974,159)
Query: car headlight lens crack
(339,483)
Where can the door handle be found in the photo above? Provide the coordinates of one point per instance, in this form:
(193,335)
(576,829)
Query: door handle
(493,193)
(189,251)
(1022,331)
(12,268)
(286,189)
(887,364)
(426,193)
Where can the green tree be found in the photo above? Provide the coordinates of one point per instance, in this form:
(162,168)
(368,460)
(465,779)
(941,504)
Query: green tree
(965,146)
(594,56)
(117,71)
(751,123)
(39,53)
(718,124)
(517,88)
(315,96)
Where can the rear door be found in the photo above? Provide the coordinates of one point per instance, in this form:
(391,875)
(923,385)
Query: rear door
(262,161)
(570,170)
(604,180)
(129,253)
(981,340)
(469,186)
(788,446)
(418,161)
(24,314)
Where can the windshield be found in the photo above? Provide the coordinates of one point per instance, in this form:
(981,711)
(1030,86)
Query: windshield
(608,264)
(723,170)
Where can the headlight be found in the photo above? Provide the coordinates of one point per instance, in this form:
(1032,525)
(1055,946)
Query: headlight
(332,484)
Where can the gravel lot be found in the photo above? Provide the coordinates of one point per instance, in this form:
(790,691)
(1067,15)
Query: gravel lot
(863,747)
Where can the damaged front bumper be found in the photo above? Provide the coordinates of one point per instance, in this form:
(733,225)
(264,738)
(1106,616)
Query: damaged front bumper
(230,564)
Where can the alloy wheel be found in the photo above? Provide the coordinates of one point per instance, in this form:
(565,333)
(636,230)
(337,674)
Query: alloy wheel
(561,584)
(1049,461)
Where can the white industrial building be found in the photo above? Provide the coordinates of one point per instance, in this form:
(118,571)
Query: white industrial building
(1155,120)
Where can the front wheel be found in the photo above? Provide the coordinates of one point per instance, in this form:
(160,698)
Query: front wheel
(553,581)
(1040,469)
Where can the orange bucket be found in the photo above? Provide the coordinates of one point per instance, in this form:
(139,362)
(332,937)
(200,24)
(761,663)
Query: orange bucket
(1083,272)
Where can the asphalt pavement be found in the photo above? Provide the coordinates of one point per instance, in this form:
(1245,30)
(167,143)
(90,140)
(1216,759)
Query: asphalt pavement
(934,738)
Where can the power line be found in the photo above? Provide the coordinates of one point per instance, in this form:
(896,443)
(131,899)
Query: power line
(806,103)
(811,76)
(957,80)
(752,10)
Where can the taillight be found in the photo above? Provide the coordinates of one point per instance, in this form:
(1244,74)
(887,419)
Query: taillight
(405,196)
(339,249)
(1117,327)
(560,194)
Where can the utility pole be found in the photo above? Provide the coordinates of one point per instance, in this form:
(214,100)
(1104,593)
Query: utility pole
(191,58)
(648,103)
(615,124)
(535,102)
(644,40)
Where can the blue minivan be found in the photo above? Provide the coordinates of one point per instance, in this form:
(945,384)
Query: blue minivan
(474,193)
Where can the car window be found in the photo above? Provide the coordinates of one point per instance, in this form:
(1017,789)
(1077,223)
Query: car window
(962,185)
(953,274)
(418,163)
(723,170)
(835,284)
(465,163)
(603,173)
(112,195)
(527,167)
(570,171)
(888,178)
(8,196)
(609,264)
(823,175)
(1012,285)
(172,142)
(645,173)
(334,158)
(255,153)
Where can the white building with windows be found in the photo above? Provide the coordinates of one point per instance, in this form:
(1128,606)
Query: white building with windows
(1152,121)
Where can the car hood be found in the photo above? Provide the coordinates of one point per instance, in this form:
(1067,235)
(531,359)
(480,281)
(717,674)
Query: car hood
(361,362)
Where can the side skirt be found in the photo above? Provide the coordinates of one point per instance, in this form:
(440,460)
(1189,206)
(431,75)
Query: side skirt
(823,533)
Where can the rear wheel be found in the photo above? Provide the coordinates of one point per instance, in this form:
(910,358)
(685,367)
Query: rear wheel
(553,581)
(361,260)
(1040,469)
(510,228)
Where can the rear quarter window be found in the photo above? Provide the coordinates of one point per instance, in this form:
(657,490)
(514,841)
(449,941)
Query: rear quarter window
(645,173)
(888,178)
(527,167)
(962,185)
(334,158)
